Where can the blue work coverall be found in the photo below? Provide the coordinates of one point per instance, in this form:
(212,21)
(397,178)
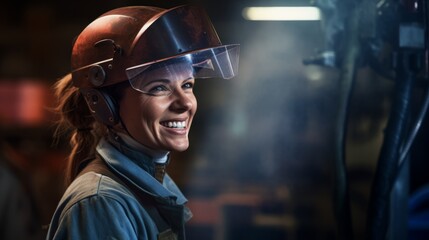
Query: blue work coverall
(96,206)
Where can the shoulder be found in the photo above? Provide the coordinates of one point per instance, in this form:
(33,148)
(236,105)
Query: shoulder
(96,187)
(96,204)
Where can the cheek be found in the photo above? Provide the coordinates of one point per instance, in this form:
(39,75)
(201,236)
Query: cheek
(132,110)
(194,102)
(195,105)
(152,110)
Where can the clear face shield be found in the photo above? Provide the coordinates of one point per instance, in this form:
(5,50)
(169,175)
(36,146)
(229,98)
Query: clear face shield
(160,78)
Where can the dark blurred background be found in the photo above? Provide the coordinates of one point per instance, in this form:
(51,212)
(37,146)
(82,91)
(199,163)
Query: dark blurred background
(262,145)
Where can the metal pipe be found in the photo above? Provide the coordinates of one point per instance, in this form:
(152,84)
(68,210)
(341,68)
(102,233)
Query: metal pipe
(347,77)
(387,167)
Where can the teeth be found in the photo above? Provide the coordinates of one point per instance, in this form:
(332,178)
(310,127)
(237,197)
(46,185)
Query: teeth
(174,124)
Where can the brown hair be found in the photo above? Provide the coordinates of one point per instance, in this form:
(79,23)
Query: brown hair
(74,116)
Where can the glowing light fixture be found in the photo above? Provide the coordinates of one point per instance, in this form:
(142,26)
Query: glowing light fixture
(281,13)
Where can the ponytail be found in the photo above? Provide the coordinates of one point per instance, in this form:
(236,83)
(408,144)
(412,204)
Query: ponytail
(74,116)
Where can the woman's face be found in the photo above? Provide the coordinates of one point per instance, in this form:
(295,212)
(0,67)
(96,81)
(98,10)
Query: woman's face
(161,117)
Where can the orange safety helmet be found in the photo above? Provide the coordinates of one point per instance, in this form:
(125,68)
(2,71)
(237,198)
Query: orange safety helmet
(125,43)
(133,36)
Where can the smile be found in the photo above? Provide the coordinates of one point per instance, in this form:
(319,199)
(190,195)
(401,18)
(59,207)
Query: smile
(173,124)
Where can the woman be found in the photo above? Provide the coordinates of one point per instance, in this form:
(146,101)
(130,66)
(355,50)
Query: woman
(129,102)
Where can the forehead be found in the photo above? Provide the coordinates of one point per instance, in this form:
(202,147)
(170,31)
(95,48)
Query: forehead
(172,72)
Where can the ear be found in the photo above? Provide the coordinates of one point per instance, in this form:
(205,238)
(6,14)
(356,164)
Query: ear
(102,106)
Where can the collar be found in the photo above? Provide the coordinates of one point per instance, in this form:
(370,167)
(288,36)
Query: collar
(152,161)
(138,168)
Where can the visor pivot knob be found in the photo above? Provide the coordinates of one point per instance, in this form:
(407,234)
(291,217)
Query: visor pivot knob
(97,75)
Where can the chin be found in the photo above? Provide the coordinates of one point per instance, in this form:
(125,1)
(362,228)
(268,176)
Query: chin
(179,147)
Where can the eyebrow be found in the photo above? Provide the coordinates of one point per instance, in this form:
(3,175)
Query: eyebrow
(189,78)
(164,80)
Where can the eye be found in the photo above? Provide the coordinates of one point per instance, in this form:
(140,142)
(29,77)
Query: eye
(159,90)
(188,85)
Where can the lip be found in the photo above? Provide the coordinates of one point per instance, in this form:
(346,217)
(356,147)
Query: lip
(174,119)
(175,131)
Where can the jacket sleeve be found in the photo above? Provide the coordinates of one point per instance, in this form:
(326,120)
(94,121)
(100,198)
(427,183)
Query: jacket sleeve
(98,217)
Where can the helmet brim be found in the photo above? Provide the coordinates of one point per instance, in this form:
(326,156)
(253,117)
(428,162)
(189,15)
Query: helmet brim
(218,62)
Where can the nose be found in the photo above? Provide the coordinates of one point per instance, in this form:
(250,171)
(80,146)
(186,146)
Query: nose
(182,101)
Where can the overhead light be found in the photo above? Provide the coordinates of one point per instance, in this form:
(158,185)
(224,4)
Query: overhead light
(281,13)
